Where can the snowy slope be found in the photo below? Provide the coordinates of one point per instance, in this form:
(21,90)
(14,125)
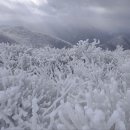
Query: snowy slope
(6,39)
(24,36)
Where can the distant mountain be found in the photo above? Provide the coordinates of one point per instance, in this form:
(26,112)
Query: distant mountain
(23,36)
(6,39)
(121,40)
(107,40)
(73,34)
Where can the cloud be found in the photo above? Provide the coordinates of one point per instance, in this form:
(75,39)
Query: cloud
(102,14)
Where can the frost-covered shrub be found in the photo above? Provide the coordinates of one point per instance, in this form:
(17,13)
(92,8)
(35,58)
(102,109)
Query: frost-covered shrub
(79,88)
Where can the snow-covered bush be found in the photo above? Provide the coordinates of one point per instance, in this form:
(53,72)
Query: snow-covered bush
(79,88)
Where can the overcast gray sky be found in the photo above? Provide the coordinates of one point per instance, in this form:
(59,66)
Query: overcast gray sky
(102,14)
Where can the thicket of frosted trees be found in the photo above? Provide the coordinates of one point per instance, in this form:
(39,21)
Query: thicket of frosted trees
(80,88)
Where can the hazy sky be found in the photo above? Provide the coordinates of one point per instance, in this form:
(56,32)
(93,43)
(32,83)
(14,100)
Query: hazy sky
(102,14)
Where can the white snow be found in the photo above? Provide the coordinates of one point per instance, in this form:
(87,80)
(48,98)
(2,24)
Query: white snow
(80,88)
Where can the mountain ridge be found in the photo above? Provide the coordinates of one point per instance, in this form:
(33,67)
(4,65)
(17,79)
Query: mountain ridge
(23,36)
(27,37)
